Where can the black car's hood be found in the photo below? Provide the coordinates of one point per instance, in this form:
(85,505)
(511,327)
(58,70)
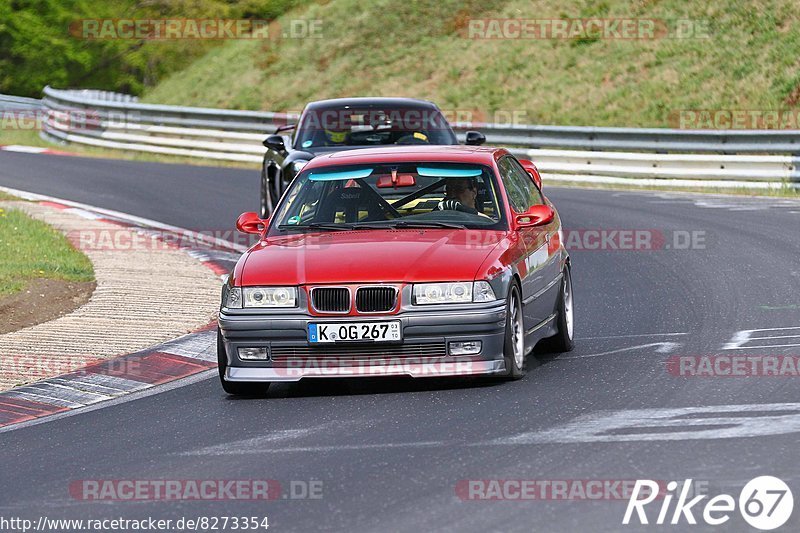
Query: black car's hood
(309,153)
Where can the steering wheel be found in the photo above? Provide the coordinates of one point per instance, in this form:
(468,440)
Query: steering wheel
(412,138)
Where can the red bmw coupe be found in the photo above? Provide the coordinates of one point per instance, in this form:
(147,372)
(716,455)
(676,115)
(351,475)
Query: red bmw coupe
(410,260)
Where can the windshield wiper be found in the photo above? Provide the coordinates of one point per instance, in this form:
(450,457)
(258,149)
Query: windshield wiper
(371,225)
(317,225)
(426,224)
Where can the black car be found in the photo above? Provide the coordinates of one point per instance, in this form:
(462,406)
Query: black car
(348,123)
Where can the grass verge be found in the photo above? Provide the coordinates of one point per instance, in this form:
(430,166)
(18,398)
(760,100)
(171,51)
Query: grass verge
(7,197)
(30,249)
(786,192)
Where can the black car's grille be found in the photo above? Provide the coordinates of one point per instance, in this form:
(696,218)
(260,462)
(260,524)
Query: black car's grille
(358,351)
(376,299)
(331,299)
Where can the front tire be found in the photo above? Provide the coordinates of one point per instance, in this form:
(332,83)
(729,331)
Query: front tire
(237,388)
(563,340)
(514,347)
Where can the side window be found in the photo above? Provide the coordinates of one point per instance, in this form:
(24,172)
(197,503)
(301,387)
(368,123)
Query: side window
(302,202)
(515,197)
(522,193)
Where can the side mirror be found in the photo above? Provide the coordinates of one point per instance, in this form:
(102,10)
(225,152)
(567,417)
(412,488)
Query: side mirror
(275,142)
(531,169)
(475,138)
(250,223)
(537,215)
(285,127)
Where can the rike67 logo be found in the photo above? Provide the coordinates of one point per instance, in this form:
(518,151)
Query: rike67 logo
(765,503)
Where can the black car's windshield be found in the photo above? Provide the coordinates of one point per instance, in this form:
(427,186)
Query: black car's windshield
(368,125)
(407,195)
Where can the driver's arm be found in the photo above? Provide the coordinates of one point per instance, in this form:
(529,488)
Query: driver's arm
(448,204)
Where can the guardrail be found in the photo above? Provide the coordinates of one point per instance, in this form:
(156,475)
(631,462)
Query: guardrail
(18,102)
(114,121)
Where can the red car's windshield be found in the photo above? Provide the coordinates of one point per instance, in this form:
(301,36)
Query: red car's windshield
(407,194)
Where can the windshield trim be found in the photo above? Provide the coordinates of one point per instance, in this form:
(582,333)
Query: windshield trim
(302,180)
(432,112)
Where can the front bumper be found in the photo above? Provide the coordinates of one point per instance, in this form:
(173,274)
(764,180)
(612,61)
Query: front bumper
(422,353)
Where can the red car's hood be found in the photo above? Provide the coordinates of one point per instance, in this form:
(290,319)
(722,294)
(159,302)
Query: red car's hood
(369,256)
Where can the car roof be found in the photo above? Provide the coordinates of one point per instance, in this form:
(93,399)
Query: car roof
(371,101)
(483,155)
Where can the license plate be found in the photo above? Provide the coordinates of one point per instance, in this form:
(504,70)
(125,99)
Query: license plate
(386,331)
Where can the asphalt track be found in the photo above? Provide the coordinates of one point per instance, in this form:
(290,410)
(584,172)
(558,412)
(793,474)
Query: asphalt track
(390,453)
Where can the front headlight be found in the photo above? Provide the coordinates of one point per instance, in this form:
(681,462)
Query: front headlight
(451,293)
(233,299)
(483,292)
(270,297)
(261,297)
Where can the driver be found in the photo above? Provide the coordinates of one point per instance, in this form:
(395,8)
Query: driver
(335,137)
(459,195)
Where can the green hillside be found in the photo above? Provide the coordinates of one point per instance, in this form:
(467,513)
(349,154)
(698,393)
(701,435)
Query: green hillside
(750,59)
(42,42)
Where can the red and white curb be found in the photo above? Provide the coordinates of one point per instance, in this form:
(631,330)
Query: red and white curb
(32,150)
(105,380)
(109,379)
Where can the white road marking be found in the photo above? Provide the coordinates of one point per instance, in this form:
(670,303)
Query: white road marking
(57,389)
(257,450)
(661,347)
(775,337)
(266,443)
(25,393)
(201,346)
(255,444)
(632,336)
(125,398)
(24,149)
(729,202)
(744,339)
(83,213)
(108,385)
(684,423)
